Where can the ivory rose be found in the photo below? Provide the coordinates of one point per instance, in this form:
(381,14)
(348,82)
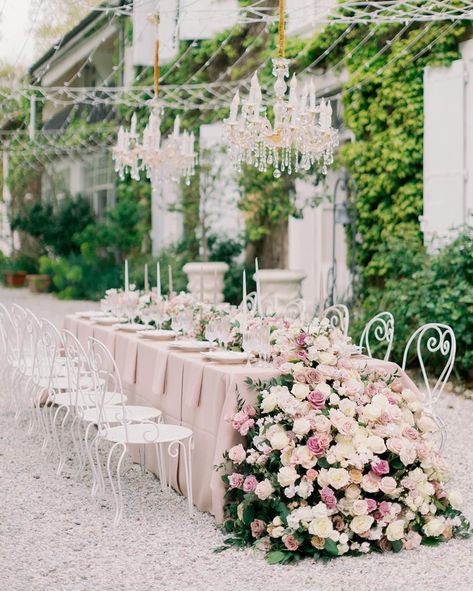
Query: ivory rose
(237,453)
(361,523)
(264,489)
(395,530)
(338,477)
(287,476)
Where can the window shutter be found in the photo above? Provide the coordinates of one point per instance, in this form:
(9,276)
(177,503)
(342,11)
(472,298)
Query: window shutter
(444,153)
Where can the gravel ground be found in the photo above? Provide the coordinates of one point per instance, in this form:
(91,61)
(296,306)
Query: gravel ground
(54,537)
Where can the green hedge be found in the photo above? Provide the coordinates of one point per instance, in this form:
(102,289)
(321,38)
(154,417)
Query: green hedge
(422,289)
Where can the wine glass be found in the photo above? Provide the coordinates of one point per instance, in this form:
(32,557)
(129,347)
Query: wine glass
(225,331)
(159,313)
(177,322)
(187,322)
(210,331)
(248,344)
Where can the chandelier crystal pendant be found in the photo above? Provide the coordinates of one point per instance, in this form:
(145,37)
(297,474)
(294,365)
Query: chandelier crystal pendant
(168,160)
(301,134)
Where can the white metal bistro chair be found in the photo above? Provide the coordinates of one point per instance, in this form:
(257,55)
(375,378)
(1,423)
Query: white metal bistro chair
(438,339)
(295,309)
(381,328)
(338,316)
(164,437)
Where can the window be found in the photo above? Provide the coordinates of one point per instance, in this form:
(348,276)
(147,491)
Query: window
(99,183)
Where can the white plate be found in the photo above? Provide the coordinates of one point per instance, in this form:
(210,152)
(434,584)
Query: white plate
(192,345)
(158,335)
(130,327)
(107,320)
(92,314)
(229,357)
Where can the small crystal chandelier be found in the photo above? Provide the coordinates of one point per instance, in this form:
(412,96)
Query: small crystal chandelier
(170,160)
(301,134)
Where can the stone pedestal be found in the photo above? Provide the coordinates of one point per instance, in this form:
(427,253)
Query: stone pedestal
(205,280)
(281,285)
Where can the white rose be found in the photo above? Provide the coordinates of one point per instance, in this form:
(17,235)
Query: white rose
(434,528)
(264,489)
(334,399)
(237,453)
(287,476)
(338,477)
(361,523)
(360,507)
(455,499)
(348,407)
(321,342)
(326,358)
(395,530)
(304,457)
(371,413)
(305,488)
(343,538)
(376,444)
(352,492)
(322,424)
(427,424)
(277,532)
(324,388)
(300,391)
(301,426)
(388,485)
(279,440)
(269,403)
(321,526)
(408,454)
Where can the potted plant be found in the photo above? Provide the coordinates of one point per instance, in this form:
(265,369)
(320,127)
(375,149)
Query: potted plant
(38,283)
(16,268)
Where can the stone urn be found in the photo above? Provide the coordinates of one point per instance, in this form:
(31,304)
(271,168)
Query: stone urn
(279,286)
(205,280)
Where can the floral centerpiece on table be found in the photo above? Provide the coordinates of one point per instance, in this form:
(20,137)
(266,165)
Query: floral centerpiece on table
(336,460)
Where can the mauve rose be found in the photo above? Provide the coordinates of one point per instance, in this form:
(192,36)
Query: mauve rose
(238,419)
(384,508)
(317,399)
(380,467)
(291,543)
(312,376)
(235,480)
(250,483)
(318,443)
(300,377)
(257,528)
(300,339)
(385,544)
(302,355)
(383,418)
(338,523)
(372,504)
(328,497)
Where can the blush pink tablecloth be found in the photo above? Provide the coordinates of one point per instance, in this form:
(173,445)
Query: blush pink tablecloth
(190,392)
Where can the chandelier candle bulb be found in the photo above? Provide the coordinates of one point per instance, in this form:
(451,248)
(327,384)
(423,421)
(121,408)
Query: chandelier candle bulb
(258,289)
(158,280)
(245,307)
(177,124)
(312,95)
(234,107)
(146,286)
(133,125)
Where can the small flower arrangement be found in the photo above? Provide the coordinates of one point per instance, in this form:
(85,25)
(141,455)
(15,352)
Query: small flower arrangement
(336,460)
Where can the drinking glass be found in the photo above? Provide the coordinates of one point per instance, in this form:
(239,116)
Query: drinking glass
(224,331)
(248,344)
(210,331)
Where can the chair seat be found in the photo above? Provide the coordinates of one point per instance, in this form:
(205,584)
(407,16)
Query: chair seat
(114,414)
(86,400)
(145,433)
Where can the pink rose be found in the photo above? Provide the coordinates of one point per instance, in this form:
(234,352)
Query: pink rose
(246,426)
(250,483)
(372,504)
(249,410)
(300,339)
(395,445)
(238,419)
(353,387)
(257,527)
(237,453)
(235,480)
(411,433)
(412,540)
(328,497)
(291,543)
(311,474)
(317,444)
(312,376)
(380,467)
(302,355)
(300,376)
(317,399)
(396,385)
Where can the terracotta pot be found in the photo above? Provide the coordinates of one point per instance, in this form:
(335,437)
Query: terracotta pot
(38,283)
(15,278)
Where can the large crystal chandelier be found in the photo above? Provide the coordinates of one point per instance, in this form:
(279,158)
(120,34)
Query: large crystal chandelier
(301,134)
(171,159)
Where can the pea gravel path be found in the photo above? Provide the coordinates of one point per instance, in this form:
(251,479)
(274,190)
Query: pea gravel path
(54,537)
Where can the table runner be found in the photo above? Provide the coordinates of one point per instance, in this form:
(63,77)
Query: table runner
(190,392)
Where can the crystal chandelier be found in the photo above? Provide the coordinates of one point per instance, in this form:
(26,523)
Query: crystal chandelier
(301,134)
(169,160)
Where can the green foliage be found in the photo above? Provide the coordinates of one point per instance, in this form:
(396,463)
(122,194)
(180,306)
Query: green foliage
(18,262)
(54,226)
(424,289)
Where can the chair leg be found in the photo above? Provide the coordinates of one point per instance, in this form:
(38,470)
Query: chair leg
(187,449)
(117,491)
(100,480)
(161,467)
(59,443)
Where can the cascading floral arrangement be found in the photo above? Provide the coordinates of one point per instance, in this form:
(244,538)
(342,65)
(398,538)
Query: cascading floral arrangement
(337,459)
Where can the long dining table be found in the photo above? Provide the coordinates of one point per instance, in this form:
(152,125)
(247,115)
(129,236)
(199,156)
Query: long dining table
(189,391)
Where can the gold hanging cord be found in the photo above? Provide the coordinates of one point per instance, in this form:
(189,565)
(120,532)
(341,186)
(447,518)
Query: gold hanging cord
(282,39)
(155,20)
